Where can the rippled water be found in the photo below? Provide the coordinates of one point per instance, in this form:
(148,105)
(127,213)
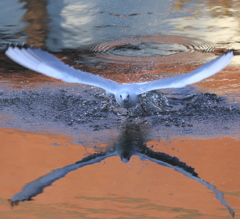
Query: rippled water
(77,154)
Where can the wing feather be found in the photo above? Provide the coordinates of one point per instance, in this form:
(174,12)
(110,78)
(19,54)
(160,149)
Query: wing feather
(47,64)
(199,74)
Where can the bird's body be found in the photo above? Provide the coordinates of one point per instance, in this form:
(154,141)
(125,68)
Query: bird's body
(126,95)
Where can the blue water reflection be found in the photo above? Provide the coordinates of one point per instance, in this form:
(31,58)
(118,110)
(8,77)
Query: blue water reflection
(82,21)
(11,24)
(72,23)
(69,24)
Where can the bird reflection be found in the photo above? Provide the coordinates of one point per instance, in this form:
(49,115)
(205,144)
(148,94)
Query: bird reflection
(132,141)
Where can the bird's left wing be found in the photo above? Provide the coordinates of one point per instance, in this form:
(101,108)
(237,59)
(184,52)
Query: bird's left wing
(181,167)
(199,74)
(47,64)
(166,160)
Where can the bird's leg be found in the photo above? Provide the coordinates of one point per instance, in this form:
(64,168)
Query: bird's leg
(110,97)
(157,100)
(143,108)
(127,111)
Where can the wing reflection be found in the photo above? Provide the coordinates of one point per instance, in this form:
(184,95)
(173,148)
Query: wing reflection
(131,142)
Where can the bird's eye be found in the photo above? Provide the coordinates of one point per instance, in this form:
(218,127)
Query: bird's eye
(121,96)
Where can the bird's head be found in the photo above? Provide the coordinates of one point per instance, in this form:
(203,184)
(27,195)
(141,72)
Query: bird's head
(126,98)
(125,156)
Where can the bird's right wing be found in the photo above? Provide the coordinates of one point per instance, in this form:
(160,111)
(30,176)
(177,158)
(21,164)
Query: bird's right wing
(47,64)
(37,186)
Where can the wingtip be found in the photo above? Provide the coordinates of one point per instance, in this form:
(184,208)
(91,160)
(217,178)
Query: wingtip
(11,48)
(20,46)
(232,52)
(228,55)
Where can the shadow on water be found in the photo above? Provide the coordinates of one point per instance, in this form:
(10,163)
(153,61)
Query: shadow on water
(130,143)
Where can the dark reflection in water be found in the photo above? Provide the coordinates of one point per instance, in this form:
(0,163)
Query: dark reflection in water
(147,49)
(131,142)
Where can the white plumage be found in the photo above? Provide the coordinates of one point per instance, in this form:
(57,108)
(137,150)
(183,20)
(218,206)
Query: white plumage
(126,94)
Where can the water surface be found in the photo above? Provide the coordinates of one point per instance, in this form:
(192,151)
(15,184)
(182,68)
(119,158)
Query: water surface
(49,125)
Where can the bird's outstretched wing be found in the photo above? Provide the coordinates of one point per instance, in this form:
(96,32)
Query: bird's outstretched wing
(47,64)
(199,74)
(37,186)
(179,166)
(167,160)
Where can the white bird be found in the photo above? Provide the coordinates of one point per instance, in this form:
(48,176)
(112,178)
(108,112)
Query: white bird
(125,94)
